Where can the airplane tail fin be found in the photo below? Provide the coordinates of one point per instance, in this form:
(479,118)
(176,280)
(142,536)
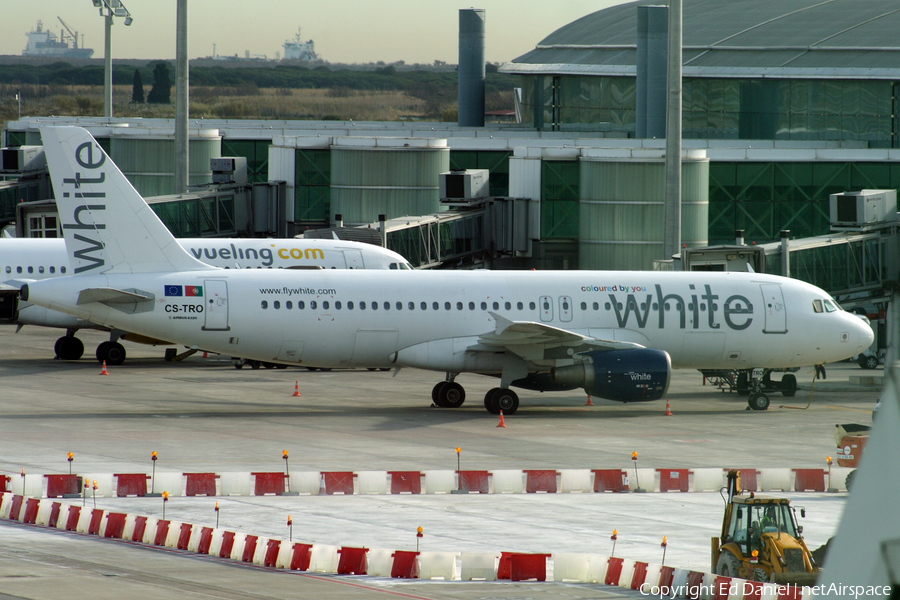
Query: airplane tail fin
(108,226)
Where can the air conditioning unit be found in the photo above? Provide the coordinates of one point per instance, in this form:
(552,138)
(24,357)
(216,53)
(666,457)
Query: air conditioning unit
(465,185)
(23,159)
(229,169)
(855,210)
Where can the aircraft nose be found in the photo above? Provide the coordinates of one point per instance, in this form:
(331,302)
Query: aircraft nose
(864,332)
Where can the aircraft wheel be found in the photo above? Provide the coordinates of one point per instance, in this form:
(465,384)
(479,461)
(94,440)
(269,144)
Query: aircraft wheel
(451,395)
(102,349)
(57,347)
(239,365)
(269,365)
(254,364)
(436,393)
(71,348)
(280,366)
(758,401)
(489,399)
(115,354)
(788,385)
(505,400)
(727,565)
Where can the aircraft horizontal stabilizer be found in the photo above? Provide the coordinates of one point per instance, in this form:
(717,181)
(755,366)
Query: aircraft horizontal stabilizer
(129,301)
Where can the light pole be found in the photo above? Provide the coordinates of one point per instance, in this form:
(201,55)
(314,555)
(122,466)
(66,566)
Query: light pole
(108,10)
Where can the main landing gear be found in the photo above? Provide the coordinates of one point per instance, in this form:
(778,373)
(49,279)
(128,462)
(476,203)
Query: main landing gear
(69,347)
(450,394)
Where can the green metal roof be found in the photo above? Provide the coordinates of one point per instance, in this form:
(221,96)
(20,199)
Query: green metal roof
(736,38)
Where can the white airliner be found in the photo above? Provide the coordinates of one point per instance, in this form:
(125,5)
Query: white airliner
(29,259)
(617,334)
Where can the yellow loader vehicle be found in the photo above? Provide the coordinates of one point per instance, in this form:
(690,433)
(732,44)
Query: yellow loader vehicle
(761,540)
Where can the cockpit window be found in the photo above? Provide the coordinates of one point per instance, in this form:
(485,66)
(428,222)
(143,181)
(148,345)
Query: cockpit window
(817,306)
(830,306)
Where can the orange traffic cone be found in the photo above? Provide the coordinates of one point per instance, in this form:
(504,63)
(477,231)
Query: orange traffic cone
(205,355)
(297,389)
(104,371)
(668,410)
(501,423)
(589,403)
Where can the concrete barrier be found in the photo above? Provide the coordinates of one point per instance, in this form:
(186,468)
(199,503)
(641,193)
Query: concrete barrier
(324,559)
(438,565)
(480,566)
(106,487)
(572,567)
(236,484)
(439,482)
(575,480)
(372,482)
(707,480)
(167,482)
(646,479)
(306,482)
(508,482)
(379,562)
(775,480)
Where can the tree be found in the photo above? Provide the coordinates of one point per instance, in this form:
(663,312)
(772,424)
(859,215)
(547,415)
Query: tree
(137,88)
(162,85)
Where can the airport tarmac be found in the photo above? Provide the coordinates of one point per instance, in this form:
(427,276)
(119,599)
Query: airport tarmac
(204,415)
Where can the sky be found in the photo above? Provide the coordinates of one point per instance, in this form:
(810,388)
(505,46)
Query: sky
(344,31)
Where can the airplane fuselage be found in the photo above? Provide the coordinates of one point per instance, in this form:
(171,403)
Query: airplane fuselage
(429,319)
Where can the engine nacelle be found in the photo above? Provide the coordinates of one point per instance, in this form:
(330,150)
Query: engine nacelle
(622,375)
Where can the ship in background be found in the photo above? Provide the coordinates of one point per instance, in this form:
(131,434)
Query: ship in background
(298,50)
(43,42)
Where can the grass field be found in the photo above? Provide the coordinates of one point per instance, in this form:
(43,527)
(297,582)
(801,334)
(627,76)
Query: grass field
(244,102)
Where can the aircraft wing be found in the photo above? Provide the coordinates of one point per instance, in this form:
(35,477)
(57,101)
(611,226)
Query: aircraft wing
(537,341)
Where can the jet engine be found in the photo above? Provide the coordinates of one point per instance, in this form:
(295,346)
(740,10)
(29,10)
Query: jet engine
(622,375)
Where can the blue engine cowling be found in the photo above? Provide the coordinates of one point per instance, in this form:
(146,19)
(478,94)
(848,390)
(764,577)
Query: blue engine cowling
(622,375)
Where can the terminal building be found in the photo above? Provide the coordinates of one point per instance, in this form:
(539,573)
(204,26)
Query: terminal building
(784,104)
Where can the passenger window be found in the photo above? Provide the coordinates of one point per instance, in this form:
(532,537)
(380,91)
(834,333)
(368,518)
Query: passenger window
(435,306)
(496,306)
(387,306)
(31,269)
(312,304)
(40,269)
(471,306)
(412,306)
(399,306)
(337,305)
(519,305)
(532,305)
(9,269)
(484,306)
(362,306)
(596,306)
(507,306)
(276,304)
(446,306)
(459,306)
(62,269)
(422,305)
(325,305)
(301,305)
(264,304)
(350,305)
(584,306)
(289,305)
(374,306)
